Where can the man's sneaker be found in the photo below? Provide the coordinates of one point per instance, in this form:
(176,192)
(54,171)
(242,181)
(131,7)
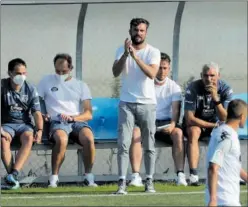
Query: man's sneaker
(136,181)
(12,182)
(149,188)
(194,180)
(89,180)
(181,179)
(53,181)
(121,187)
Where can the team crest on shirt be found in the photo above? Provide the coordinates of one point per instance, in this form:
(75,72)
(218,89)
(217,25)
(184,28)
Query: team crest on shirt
(53,89)
(24,98)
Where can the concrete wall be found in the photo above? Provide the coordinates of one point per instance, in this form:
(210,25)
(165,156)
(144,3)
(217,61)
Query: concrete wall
(209,32)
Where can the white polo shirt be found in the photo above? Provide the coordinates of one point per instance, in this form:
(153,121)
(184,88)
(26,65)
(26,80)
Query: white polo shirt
(167,93)
(63,97)
(224,150)
(136,87)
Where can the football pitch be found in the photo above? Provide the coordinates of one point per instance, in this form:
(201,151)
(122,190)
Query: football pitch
(166,195)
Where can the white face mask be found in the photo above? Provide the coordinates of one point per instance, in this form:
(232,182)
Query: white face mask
(19,79)
(159,81)
(62,78)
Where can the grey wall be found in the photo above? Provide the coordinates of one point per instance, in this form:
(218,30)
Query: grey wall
(215,31)
(209,31)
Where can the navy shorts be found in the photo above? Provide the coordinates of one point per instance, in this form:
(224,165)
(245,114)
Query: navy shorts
(16,130)
(69,128)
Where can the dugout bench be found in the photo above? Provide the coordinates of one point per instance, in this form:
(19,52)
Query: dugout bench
(104,126)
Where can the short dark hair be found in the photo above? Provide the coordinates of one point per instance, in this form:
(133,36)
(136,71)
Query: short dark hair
(15,62)
(166,57)
(236,108)
(64,56)
(136,21)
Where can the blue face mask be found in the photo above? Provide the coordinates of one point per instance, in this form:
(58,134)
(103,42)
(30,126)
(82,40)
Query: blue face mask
(19,79)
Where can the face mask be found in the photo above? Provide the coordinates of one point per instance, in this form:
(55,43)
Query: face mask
(159,81)
(62,78)
(19,79)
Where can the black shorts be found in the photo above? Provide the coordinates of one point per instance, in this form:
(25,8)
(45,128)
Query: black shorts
(205,133)
(162,136)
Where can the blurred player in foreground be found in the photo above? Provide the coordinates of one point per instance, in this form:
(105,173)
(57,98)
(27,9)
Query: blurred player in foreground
(224,159)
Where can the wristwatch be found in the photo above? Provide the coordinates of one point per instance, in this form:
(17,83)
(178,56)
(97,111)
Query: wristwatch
(126,54)
(39,130)
(216,103)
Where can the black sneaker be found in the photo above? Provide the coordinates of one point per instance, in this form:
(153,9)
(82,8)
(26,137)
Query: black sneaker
(12,182)
(149,187)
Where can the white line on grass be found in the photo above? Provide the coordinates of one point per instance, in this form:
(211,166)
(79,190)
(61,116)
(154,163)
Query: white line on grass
(106,195)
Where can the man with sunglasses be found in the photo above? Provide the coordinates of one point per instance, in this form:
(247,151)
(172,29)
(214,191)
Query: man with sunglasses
(205,105)
(19,100)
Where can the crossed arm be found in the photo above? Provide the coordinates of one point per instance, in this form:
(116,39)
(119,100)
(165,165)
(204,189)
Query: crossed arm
(149,70)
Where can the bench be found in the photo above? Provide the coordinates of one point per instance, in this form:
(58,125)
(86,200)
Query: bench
(104,126)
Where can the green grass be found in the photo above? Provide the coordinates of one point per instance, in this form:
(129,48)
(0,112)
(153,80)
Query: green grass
(101,196)
(101,190)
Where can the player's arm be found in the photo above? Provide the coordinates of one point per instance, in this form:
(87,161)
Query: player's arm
(150,69)
(190,108)
(212,183)
(221,108)
(119,65)
(120,59)
(176,104)
(36,110)
(191,120)
(215,163)
(244,175)
(86,114)
(175,111)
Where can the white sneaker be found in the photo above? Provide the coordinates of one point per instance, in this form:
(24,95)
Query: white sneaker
(89,180)
(53,181)
(181,179)
(194,180)
(136,181)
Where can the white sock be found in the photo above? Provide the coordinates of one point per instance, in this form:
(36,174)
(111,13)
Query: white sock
(149,176)
(135,175)
(122,177)
(54,177)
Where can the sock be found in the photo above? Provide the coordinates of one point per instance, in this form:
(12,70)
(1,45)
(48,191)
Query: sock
(135,175)
(54,177)
(193,171)
(15,173)
(122,177)
(148,176)
(180,171)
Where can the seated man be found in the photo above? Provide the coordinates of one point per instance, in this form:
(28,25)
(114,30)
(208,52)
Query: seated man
(168,95)
(64,96)
(206,101)
(18,100)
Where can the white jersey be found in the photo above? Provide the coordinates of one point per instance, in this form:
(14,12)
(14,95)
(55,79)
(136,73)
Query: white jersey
(63,97)
(167,93)
(224,150)
(136,87)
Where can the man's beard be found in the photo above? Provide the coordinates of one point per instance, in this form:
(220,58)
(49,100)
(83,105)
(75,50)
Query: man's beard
(136,42)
